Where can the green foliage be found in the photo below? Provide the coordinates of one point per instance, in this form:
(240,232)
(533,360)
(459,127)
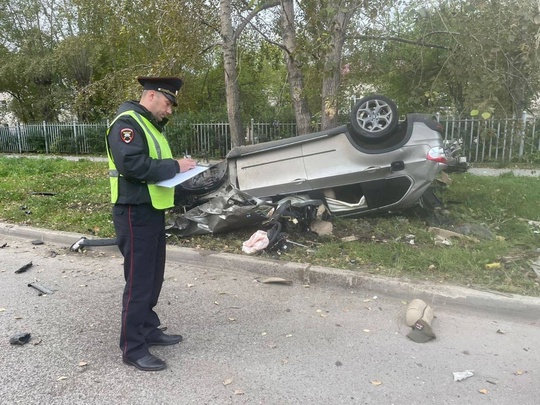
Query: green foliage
(466,55)
(82,56)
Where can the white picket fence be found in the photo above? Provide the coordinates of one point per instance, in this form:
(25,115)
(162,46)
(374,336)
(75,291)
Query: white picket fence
(495,140)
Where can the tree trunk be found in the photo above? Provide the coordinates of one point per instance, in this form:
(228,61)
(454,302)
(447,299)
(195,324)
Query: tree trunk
(295,76)
(231,75)
(332,70)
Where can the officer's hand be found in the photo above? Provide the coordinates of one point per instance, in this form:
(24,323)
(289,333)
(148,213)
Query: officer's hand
(186,164)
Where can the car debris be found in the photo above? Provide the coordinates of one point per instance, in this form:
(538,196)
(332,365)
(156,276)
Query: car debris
(296,243)
(443,236)
(321,227)
(24,268)
(41,288)
(43,193)
(234,209)
(84,242)
(257,242)
(20,338)
(231,209)
(462,375)
(419,316)
(456,162)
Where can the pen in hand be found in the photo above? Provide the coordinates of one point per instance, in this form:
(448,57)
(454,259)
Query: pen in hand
(186,163)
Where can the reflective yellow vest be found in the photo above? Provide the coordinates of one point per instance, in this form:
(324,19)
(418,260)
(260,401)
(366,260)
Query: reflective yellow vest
(162,197)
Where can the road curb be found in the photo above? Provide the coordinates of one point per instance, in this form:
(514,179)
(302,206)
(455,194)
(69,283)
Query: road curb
(435,294)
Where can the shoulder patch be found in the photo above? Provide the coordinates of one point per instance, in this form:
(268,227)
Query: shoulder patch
(127,134)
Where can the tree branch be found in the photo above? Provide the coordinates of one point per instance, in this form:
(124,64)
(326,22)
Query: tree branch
(403,40)
(252,14)
(279,45)
(208,48)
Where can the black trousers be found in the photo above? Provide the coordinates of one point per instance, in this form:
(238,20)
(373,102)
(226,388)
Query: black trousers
(140,232)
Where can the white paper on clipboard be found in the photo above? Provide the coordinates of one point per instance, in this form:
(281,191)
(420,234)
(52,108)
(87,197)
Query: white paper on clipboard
(181,177)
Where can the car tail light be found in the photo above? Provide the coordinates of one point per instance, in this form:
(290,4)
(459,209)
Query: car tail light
(437,155)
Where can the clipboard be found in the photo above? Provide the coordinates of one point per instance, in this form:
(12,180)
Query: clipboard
(181,177)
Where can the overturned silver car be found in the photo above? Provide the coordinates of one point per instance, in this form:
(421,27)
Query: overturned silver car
(376,163)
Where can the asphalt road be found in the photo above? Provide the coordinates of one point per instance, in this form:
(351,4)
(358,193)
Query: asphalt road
(248,342)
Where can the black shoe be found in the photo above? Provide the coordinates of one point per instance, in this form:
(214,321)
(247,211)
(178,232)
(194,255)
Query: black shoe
(147,363)
(164,340)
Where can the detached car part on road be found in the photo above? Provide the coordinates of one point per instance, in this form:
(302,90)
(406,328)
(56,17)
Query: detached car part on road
(374,164)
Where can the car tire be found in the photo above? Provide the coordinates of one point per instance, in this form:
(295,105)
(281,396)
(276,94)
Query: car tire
(374,118)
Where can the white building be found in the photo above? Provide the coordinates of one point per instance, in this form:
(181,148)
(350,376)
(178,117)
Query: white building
(7,118)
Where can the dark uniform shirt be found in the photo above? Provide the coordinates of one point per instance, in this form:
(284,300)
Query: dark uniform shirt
(129,149)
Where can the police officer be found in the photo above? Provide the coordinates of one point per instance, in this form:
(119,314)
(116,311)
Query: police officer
(140,156)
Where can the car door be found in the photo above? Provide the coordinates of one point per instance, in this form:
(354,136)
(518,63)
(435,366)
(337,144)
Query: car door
(333,162)
(272,172)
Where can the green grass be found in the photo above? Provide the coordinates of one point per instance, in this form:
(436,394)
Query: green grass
(494,211)
(81,200)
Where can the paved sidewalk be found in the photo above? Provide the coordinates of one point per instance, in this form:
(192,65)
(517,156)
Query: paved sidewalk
(484,171)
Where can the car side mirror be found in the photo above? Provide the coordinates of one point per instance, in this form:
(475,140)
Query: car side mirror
(397,166)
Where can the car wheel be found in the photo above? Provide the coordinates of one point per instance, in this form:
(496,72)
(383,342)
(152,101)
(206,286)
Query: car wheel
(374,118)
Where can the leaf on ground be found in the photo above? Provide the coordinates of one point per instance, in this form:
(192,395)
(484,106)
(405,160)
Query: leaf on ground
(239,392)
(83,364)
(376,382)
(483,391)
(61,378)
(227,381)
